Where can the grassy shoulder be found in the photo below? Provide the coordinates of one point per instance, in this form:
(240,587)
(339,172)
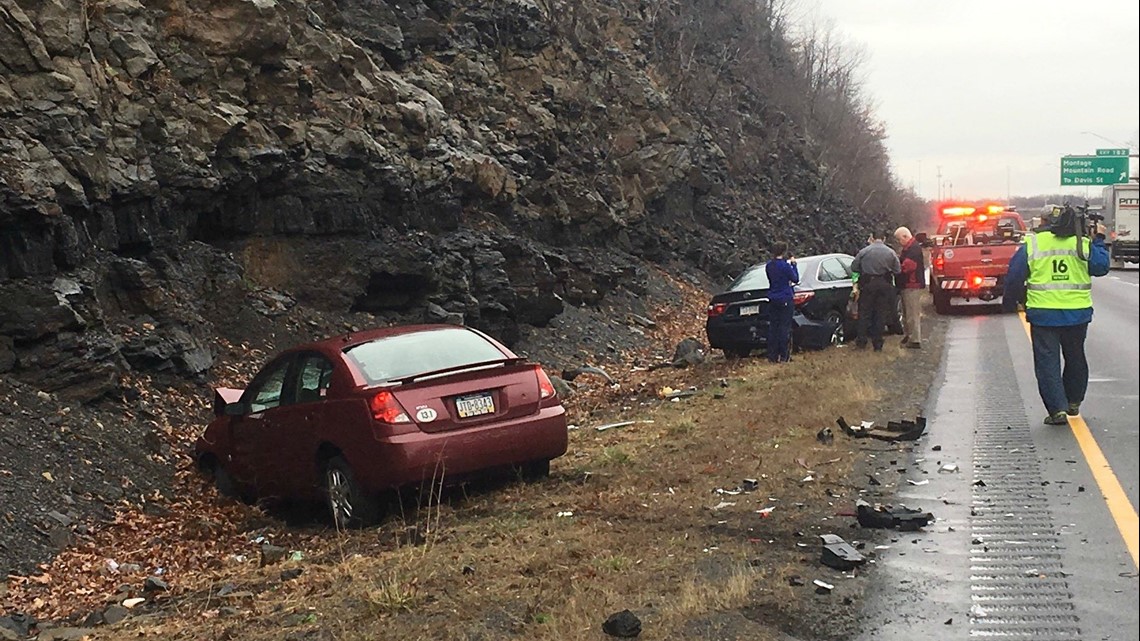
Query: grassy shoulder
(629,518)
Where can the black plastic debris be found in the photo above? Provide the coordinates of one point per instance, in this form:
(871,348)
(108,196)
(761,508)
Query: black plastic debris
(750,485)
(871,480)
(825,435)
(624,624)
(839,554)
(979,483)
(795,581)
(895,430)
(936,448)
(886,517)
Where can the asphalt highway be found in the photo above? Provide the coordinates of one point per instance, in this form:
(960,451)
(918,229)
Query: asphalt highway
(1036,536)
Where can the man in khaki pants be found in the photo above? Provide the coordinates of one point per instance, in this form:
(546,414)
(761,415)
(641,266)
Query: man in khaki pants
(911,281)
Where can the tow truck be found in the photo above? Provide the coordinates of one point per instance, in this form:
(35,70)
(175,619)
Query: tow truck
(970,254)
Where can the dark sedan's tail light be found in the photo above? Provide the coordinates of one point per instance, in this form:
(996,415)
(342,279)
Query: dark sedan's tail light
(799,298)
(545,387)
(386,409)
(716,309)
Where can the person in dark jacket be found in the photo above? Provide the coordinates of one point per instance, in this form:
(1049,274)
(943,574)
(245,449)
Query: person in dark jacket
(910,282)
(876,264)
(783,276)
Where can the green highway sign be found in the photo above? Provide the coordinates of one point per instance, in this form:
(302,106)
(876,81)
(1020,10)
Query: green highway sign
(1112,152)
(1094,170)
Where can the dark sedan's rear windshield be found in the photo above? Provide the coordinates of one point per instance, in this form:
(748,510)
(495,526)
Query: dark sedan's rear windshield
(394,357)
(754,277)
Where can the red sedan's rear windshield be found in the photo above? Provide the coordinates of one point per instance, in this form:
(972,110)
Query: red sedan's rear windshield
(394,357)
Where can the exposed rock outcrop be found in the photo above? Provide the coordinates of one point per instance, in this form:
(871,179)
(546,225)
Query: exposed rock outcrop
(162,160)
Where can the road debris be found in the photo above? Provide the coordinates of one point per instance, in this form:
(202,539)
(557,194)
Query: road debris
(822,587)
(825,435)
(949,468)
(888,517)
(624,624)
(839,554)
(895,430)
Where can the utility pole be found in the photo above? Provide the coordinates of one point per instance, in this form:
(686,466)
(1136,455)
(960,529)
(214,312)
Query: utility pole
(1007,192)
(939,182)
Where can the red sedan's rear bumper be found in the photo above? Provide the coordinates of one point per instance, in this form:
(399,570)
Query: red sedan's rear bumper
(411,458)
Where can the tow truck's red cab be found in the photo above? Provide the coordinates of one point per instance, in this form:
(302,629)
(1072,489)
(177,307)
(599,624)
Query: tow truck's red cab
(970,255)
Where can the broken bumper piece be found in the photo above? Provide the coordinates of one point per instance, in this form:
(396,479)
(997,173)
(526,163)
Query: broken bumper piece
(885,517)
(839,554)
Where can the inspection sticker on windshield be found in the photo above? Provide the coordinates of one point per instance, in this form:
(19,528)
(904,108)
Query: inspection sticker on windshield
(425,414)
(474,405)
(749,310)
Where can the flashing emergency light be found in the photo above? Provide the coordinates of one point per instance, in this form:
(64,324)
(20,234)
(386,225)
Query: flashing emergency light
(994,209)
(958,211)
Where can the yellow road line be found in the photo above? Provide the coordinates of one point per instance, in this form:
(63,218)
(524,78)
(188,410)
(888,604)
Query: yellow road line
(1119,506)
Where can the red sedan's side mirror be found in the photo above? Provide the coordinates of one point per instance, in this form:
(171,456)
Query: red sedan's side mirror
(236,409)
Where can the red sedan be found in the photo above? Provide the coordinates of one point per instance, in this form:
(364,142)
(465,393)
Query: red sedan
(345,418)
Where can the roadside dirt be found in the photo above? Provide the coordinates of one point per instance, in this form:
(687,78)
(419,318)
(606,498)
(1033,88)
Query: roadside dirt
(629,518)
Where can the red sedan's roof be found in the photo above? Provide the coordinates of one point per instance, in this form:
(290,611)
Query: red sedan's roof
(338,343)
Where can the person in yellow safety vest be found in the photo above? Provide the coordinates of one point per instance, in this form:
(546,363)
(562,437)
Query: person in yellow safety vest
(1048,274)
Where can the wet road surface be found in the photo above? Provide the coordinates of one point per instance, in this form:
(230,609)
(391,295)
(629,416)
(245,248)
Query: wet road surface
(1037,528)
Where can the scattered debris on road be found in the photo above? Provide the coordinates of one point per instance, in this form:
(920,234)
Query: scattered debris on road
(839,554)
(624,624)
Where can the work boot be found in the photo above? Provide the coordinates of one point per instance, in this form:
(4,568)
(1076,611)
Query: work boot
(1057,418)
(1074,409)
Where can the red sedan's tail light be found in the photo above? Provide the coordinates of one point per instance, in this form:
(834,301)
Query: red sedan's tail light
(545,387)
(717,309)
(386,409)
(799,298)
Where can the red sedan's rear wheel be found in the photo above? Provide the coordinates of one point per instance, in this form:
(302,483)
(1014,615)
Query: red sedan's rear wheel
(349,504)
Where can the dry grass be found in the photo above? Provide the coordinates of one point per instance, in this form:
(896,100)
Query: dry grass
(498,561)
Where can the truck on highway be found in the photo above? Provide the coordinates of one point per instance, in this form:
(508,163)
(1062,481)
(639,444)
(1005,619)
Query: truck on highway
(1122,221)
(970,254)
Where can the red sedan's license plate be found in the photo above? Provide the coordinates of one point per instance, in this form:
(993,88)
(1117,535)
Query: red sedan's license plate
(474,405)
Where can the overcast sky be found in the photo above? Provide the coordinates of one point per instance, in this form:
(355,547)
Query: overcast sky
(997,88)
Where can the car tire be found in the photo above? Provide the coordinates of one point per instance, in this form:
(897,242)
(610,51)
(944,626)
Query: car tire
(532,471)
(942,303)
(839,320)
(350,506)
(224,483)
(737,352)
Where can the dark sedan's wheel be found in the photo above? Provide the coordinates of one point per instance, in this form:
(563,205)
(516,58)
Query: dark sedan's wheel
(737,352)
(349,504)
(836,319)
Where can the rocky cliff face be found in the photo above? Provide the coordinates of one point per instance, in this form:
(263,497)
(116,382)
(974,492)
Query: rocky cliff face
(166,166)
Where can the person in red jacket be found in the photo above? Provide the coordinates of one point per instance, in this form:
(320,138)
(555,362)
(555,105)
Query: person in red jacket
(911,281)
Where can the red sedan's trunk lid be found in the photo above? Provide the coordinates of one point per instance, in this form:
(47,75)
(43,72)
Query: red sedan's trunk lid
(469,398)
